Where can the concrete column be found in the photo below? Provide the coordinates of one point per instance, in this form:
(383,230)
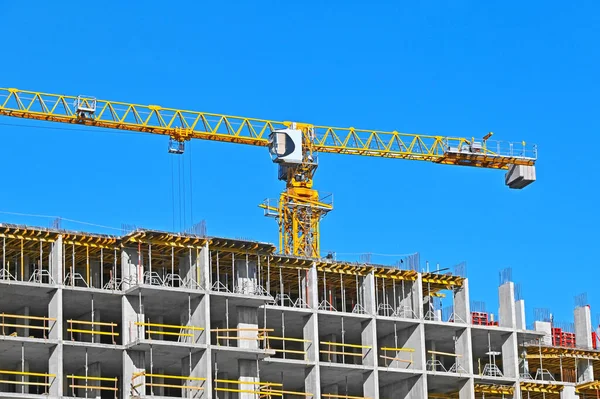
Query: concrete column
(56,261)
(369,294)
(129,268)
(313,288)
(371,384)
(568,392)
(204,279)
(55,311)
(520,314)
(369,338)
(248,372)
(506,299)
(55,366)
(546,328)
(311,333)
(418,295)
(130,333)
(245,270)
(467,391)
(464,348)
(462,306)
(194,365)
(583,327)
(312,381)
(247,319)
(510,356)
(134,362)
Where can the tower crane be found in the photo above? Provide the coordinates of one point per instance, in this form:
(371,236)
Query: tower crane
(294,146)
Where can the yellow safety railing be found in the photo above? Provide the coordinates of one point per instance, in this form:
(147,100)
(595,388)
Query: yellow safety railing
(267,392)
(184,331)
(111,333)
(259,388)
(342,352)
(152,376)
(47,379)
(390,359)
(333,395)
(45,327)
(269,338)
(88,387)
(260,334)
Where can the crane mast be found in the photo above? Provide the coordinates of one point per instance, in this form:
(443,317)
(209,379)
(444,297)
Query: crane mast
(294,147)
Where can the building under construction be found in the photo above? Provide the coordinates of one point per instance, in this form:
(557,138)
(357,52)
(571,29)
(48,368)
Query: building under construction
(167,315)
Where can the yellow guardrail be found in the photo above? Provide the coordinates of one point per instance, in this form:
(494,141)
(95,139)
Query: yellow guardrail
(45,376)
(87,387)
(259,337)
(189,330)
(395,358)
(111,333)
(163,385)
(342,352)
(260,388)
(45,327)
(269,338)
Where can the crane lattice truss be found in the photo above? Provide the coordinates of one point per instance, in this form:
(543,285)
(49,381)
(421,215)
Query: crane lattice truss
(299,208)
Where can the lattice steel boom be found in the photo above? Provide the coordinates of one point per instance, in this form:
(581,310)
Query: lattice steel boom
(300,207)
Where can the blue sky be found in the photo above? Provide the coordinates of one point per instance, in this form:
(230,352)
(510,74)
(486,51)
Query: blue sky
(525,70)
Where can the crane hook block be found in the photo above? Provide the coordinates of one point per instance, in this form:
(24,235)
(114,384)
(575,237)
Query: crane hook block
(285,146)
(520,176)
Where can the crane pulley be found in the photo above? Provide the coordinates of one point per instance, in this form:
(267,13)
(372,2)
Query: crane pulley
(294,147)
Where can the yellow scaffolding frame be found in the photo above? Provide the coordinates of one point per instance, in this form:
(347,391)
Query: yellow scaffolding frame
(87,387)
(112,326)
(45,328)
(166,376)
(395,358)
(190,329)
(46,384)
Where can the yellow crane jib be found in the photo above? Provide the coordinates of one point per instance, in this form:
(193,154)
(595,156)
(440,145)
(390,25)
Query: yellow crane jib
(293,146)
